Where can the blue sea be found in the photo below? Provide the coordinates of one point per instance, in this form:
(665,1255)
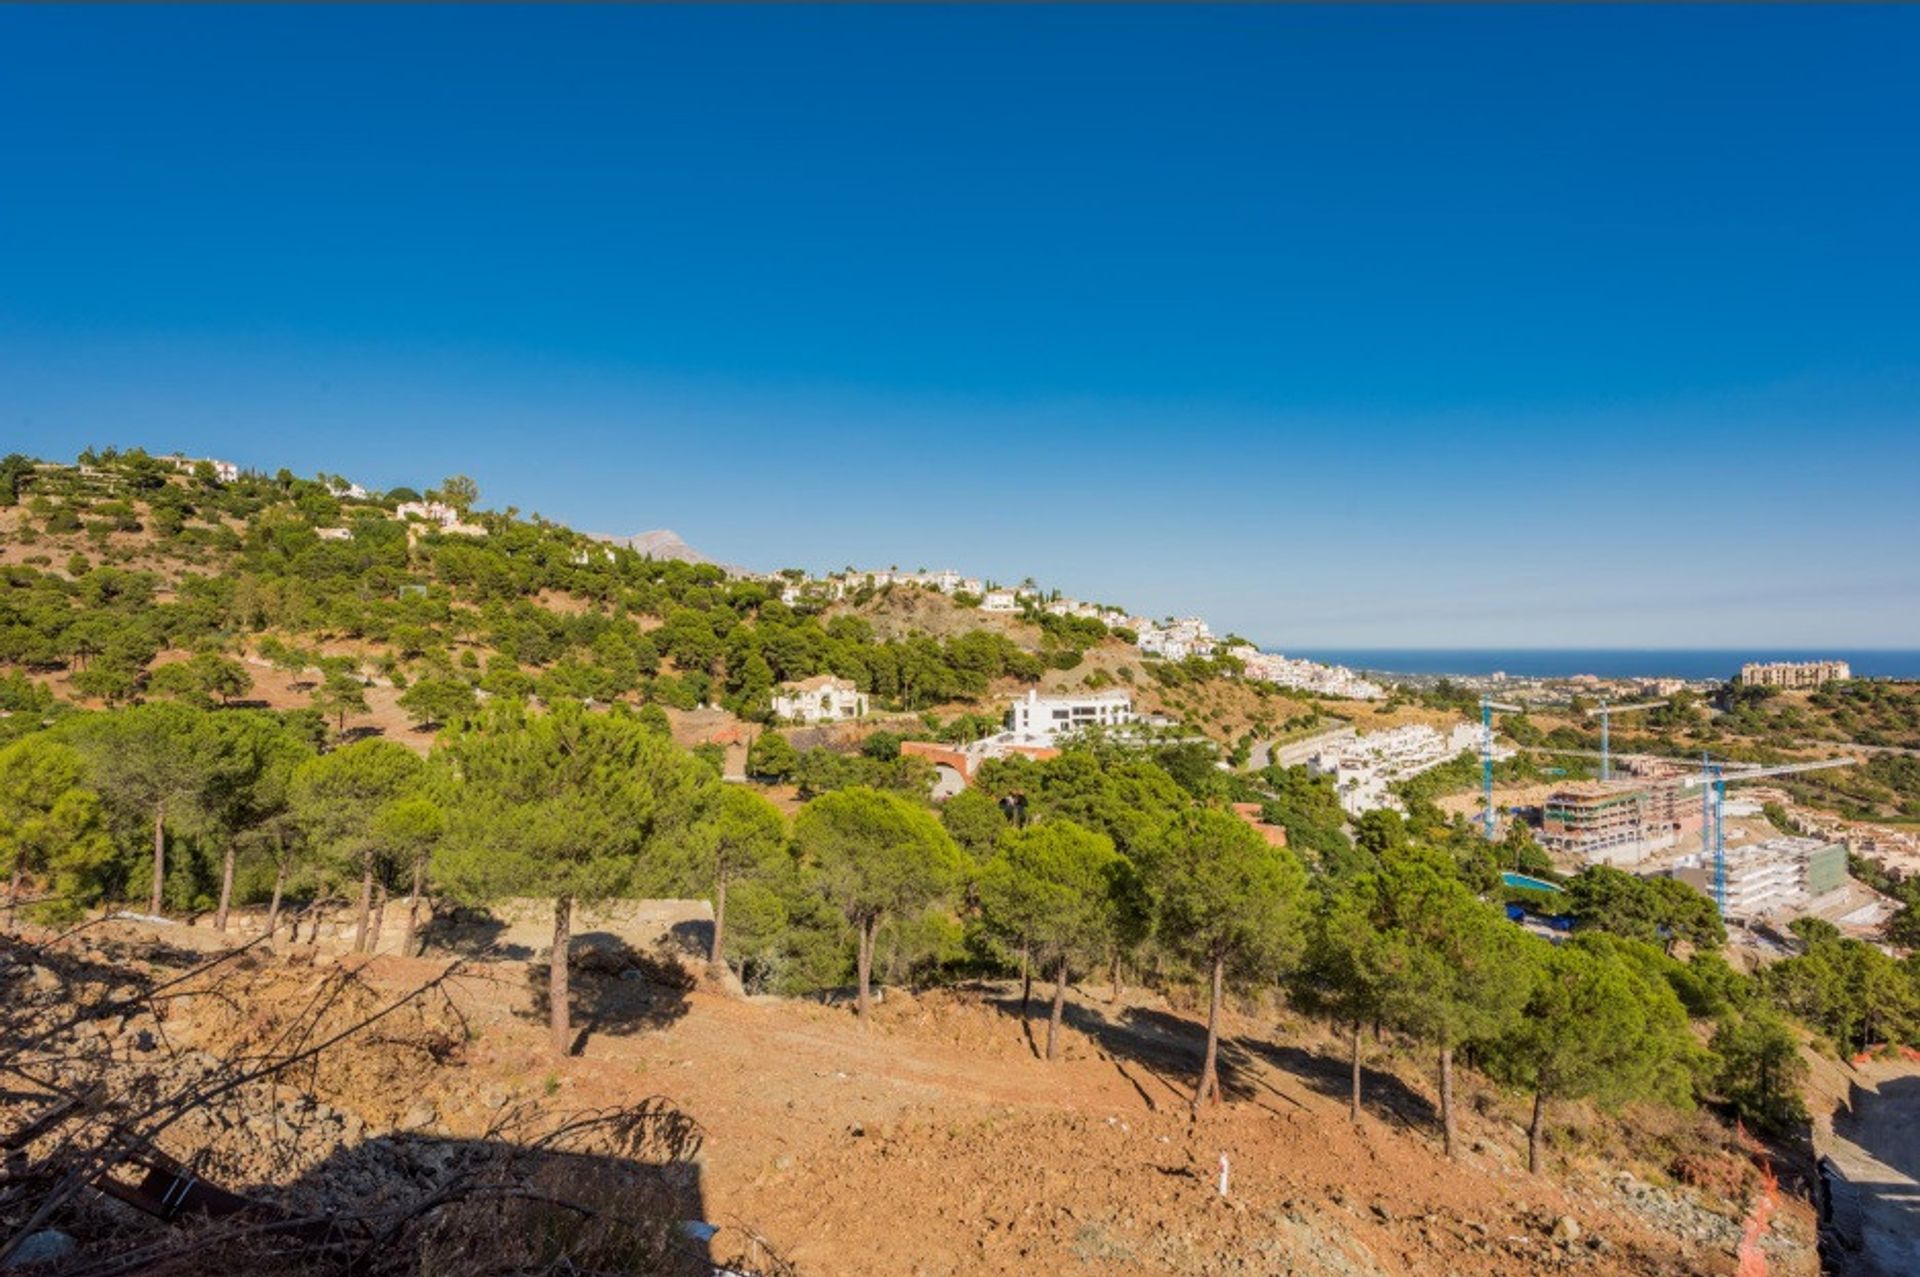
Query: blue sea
(1687,663)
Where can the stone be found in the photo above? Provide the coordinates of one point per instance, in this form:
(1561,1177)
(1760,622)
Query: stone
(420,1115)
(44,1247)
(1566,1230)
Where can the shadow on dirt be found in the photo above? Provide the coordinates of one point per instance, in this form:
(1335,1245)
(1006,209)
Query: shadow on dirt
(470,933)
(616,1191)
(1381,1094)
(614,989)
(1160,1054)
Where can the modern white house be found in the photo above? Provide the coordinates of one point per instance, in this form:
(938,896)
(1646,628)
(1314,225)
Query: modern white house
(999,601)
(1042,719)
(820,699)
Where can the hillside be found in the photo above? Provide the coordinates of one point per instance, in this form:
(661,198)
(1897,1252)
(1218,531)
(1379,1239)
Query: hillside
(355,750)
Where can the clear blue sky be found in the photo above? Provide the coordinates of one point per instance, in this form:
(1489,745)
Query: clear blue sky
(1369,326)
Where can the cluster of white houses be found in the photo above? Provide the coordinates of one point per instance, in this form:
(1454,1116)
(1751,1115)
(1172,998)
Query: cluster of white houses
(1175,640)
(838,585)
(1365,767)
(1308,676)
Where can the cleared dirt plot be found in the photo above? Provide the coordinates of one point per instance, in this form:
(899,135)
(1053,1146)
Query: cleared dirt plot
(933,1140)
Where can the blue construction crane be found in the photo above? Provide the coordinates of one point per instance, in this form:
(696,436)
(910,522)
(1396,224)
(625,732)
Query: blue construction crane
(1605,713)
(1487,706)
(1713,781)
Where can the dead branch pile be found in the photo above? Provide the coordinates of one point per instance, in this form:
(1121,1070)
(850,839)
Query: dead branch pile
(128,1151)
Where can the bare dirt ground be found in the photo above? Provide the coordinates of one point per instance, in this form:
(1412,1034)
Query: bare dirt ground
(934,1141)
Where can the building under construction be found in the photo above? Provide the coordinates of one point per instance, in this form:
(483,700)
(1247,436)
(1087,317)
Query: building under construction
(1614,822)
(1780,876)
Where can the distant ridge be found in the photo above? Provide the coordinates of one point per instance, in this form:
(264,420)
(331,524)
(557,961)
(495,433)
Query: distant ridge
(661,543)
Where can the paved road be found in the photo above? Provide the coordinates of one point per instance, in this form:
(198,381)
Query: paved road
(1876,1149)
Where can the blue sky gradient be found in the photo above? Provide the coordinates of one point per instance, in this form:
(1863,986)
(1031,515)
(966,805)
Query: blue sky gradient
(1345,327)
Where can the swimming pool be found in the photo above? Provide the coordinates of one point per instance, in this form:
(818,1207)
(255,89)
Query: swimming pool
(1525,883)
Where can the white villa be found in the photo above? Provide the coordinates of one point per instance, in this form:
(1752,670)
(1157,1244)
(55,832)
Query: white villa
(1041,719)
(999,601)
(820,699)
(440,513)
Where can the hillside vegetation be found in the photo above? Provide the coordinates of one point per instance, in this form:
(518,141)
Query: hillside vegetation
(142,772)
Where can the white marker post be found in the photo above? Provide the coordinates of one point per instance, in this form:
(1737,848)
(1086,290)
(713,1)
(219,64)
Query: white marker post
(1223,1174)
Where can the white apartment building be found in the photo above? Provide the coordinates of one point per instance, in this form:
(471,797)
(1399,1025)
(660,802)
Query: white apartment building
(1042,719)
(1793,674)
(999,601)
(820,699)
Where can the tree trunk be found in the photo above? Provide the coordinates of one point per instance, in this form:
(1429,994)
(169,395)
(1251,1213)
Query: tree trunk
(1116,975)
(1536,1132)
(559,1010)
(157,899)
(716,953)
(379,917)
(226,891)
(366,903)
(1355,1113)
(1059,1008)
(13,893)
(279,890)
(1210,1066)
(867,928)
(1446,1097)
(1026,977)
(413,905)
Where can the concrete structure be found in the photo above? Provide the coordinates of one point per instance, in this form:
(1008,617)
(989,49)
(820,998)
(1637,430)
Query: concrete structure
(1778,877)
(955,766)
(334,534)
(999,601)
(1040,720)
(1615,822)
(820,699)
(1793,675)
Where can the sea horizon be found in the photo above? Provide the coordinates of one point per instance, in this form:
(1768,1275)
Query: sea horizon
(1548,662)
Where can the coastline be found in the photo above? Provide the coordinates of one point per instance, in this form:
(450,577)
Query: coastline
(1692,664)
